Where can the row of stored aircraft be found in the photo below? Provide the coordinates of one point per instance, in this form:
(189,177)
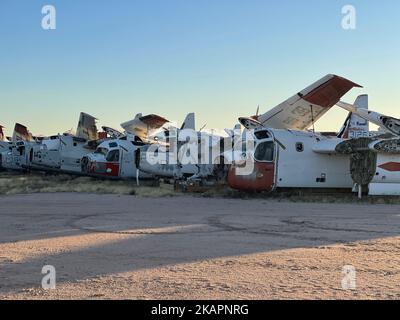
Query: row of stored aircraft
(268,152)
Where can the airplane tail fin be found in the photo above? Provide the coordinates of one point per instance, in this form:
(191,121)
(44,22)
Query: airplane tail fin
(355,126)
(21,133)
(87,128)
(1,133)
(189,122)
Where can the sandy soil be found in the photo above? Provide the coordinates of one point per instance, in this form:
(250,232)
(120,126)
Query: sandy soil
(112,247)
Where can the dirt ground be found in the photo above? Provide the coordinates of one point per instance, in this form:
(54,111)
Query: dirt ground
(130,247)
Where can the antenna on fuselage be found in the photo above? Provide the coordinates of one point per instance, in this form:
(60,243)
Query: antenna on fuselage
(312,118)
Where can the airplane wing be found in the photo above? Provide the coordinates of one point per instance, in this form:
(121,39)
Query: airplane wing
(307,106)
(141,126)
(114,134)
(389,124)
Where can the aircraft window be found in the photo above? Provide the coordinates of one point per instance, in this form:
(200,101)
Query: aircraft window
(113,156)
(113,144)
(299,147)
(78,139)
(21,150)
(265,151)
(138,143)
(262,134)
(102,151)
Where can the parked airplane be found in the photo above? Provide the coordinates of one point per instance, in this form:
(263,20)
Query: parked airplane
(288,156)
(181,153)
(14,156)
(120,157)
(55,153)
(114,158)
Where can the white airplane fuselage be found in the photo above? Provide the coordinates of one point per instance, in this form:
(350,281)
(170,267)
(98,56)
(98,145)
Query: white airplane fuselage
(17,156)
(61,153)
(114,158)
(291,159)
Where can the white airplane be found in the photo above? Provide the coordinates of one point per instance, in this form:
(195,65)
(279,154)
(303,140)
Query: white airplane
(181,153)
(288,156)
(54,153)
(64,152)
(115,157)
(298,112)
(14,157)
(121,157)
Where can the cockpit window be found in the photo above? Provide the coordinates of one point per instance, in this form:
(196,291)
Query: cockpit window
(113,156)
(102,151)
(263,134)
(265,151)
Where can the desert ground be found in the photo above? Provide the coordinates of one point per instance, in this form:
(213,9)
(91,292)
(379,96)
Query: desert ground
(127,246)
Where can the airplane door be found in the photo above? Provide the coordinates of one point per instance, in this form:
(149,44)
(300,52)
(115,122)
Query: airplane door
(126,163)
(262,178)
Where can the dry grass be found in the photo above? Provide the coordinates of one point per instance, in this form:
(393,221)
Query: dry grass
(14,183)
(36,182)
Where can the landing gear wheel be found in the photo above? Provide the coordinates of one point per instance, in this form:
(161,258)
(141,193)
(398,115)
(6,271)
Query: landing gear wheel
(85,165)
(221,170)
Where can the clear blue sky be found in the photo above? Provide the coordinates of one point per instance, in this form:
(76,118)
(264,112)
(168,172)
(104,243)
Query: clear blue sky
(218,58)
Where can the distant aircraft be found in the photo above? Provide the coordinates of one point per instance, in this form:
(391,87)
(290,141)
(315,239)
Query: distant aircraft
(121,157)
(181,153)
(57,152)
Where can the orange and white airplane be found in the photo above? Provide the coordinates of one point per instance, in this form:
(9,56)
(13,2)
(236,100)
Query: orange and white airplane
(287,154)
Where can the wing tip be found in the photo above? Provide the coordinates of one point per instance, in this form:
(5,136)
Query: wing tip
(355,85)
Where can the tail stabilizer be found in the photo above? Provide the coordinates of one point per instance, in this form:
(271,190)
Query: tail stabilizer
(87,128)
(354,125)
(189,122)
(21,133)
